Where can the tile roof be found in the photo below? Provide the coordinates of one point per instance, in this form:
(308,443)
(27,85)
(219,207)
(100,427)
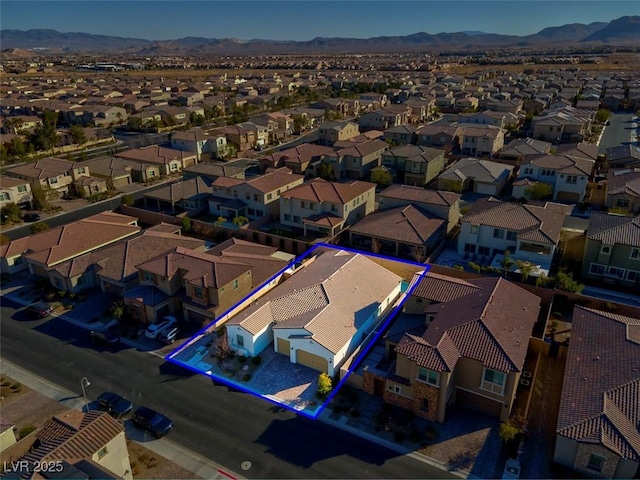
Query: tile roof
(45,168)
(441,288)
(419,194)
(198,187)
(414,152)
(526,146)
(406,224)
(481,325)
(301,154)
(624,181)
(579,150)
(601,390)
(319,190)
(279,178)
(479,170)
(561,163)
(58,244)
(155,154)
(74,435)
(614,229)
(199,269)
(329,298)
(530,221)
(363,149)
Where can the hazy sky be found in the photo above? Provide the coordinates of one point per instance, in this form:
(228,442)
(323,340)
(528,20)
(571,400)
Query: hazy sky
(304,19)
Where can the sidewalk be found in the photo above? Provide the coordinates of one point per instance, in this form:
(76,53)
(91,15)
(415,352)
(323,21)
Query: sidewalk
(187,459)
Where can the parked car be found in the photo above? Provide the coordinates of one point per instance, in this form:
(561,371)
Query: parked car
(169,335)
(116,405)
(151,421)
(157,328)
(511,469)
(31,217)
(40,309)
(105,336)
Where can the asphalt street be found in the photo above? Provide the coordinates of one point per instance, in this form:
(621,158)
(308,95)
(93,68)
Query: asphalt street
(618,132)
(226,426)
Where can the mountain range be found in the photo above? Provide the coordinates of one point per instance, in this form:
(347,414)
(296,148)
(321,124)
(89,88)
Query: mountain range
(622,31)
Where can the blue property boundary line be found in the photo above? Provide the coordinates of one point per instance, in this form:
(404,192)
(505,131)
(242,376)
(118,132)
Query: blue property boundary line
(354,364)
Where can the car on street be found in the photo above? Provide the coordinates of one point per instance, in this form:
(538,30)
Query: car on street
(511,469)
(152,422)
(169,335)
(158,327)
(105,336)
(40,309)
(116,405)
(31,217)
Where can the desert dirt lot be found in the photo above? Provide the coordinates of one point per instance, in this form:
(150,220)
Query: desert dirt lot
(29,410)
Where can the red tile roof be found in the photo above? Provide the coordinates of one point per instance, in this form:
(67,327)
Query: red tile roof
(419,194)
(319,190)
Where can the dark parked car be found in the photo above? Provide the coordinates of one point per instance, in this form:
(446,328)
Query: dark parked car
(169,336)
(151,421)
(40,309)
(31,217)
(105,337)
(113,403)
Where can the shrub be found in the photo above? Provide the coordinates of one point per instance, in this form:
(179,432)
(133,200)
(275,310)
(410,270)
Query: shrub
(256,360)
(127,200)
(324,385)
(246,377)
(5,383)
(17,386)
(26,430)
(72,296)
(398,437)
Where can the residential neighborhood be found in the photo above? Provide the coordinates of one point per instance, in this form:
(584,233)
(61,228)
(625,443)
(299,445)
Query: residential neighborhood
(427,265)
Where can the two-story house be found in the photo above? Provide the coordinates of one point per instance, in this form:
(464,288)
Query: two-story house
(612,249)
(465,352)
(416,165)
(168,160)
(442,204)
(480,142)
(384,118)
(15,190)
(355,160)
(50,173)
(326,207)
(567,175)
(201,143)
(440,136)
(332,132)
(623,189)
(530,232)
(519,148)
(480,176)
(298,159)
(252,198)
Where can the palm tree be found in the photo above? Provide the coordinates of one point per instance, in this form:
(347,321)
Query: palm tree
(525,269)
(506,262)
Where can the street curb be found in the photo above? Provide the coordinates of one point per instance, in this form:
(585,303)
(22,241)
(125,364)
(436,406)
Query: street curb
(324,417)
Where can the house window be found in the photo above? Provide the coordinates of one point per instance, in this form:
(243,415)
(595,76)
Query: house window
(198,292)
(235,284)
(597,269)
(53,181)
(616,272)
(5,196)
(428,376)
(255,197)
(469,248)
(622,203)
(635,254)
(149,277)
(572,179)
(152,173)
(595,462)
(334,208)
(287,202)
(498,233)
(511,235)
(303,204)
(312,205)
(297,219)
(102,452)
(287,217)
(396,389)
(59,283)
(493,381)
(528,171)
(240,340)
(484,250)
(425,405)
(474,229)
(605,250)
(633,276)
(174,166)
(235,194)
(23,188)
(269,196)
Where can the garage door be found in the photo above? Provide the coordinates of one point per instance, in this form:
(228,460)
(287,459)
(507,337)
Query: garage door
(571,197)
(283,346)
(478,403)
(312,361)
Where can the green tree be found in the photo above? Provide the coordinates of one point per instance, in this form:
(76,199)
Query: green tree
(525,269)
(603,115)
(566,282)
(40,201)
(39,227)
(324,385)
(117,309)
(4,153)
(539,191)
(11,212)
(239,221)
(77,134)
(46,136)
(324,171)
(382,177)
(186,224)
(127,200)
(506,262)
(220,220)
(197,119)
(134,123)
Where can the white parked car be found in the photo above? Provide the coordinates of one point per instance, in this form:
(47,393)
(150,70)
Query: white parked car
(511,469)
(160,326)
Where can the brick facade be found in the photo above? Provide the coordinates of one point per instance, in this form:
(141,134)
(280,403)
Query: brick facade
(582,461)
(368,381)
(415,404)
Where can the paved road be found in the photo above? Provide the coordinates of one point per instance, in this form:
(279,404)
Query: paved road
(619,132)
(227,427)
